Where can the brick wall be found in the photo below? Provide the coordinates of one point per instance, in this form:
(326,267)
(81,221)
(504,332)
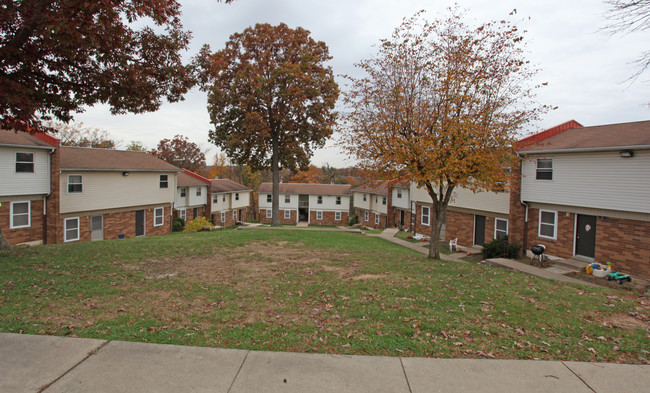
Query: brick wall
(263,218)
(230,221)
(396,218)
(328,218)
(625,243)
(122,223)
(291,220)
(562,246)
(371,220)
(22,235)
(460,225)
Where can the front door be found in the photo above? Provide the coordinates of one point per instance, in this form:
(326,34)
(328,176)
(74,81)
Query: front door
(479,230)
(97,228)
(586,236)
(139,222)
(401,218)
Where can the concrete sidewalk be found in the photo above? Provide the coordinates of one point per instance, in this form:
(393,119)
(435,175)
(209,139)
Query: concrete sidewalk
(389,235)
(57,364)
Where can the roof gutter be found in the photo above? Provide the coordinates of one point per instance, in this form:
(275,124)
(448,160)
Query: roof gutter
(584,149)
(117,170)
(26,146)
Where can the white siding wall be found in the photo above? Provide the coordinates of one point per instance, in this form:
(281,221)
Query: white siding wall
(329,203)
(358,200)
(12,183)
(404,201)
(190,198)
(293,202)
(263,204)
(221,205)
(195,200)
(464,198)
(110,190)
(600,180)
(244,199)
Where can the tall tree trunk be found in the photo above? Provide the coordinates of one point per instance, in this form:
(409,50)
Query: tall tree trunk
(275,202)
(3,242)
(436,224)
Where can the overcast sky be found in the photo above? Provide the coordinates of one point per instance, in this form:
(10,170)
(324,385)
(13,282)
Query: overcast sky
(585,68)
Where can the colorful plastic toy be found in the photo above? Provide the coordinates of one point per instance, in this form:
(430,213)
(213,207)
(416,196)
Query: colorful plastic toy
(619,277)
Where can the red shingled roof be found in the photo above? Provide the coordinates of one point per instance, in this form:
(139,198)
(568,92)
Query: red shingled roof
(605,137)
(546,134)
(21,138)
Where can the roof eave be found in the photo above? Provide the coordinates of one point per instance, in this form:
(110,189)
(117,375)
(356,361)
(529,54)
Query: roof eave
(52,148)
(586,149)
(117,170)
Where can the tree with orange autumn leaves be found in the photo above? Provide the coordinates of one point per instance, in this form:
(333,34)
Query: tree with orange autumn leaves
(441,105)
(270,97)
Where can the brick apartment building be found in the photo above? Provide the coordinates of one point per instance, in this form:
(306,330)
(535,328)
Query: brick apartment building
(316,204)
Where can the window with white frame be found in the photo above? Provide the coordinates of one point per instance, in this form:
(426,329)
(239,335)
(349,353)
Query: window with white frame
(164,181)
(182,214)
(223,216)
(383,200)
(366,216)
(236,196)
(198,191)
(158,216)
(183,192)
(426,213)
(319,200)
(234,215)
(319,215)
(547,224)
(24,162)
(224,198)
(376,219)
(287,214)
(269,213)
(287,199)
(365,197)
(20,214)
(75,184)
(544,169)
(71,229)
(269,198)
(337,216)
(338,200)
(500,228)
(399,193)
(215,199)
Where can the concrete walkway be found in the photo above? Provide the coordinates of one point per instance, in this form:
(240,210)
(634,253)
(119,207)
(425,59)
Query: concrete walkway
(58,364)
(389,234)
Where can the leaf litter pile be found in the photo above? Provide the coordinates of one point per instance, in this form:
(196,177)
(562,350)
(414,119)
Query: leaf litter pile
(314,292)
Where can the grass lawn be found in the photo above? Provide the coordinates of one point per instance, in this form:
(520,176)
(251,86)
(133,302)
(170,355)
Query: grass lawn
(311,291)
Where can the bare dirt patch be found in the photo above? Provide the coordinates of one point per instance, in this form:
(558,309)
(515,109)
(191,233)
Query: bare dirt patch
(363,277)
(252,263)
(630,321)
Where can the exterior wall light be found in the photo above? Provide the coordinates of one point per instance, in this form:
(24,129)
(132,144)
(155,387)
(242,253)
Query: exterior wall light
(626,153)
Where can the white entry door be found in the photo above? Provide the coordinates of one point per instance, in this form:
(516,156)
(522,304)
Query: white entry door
(97,228)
